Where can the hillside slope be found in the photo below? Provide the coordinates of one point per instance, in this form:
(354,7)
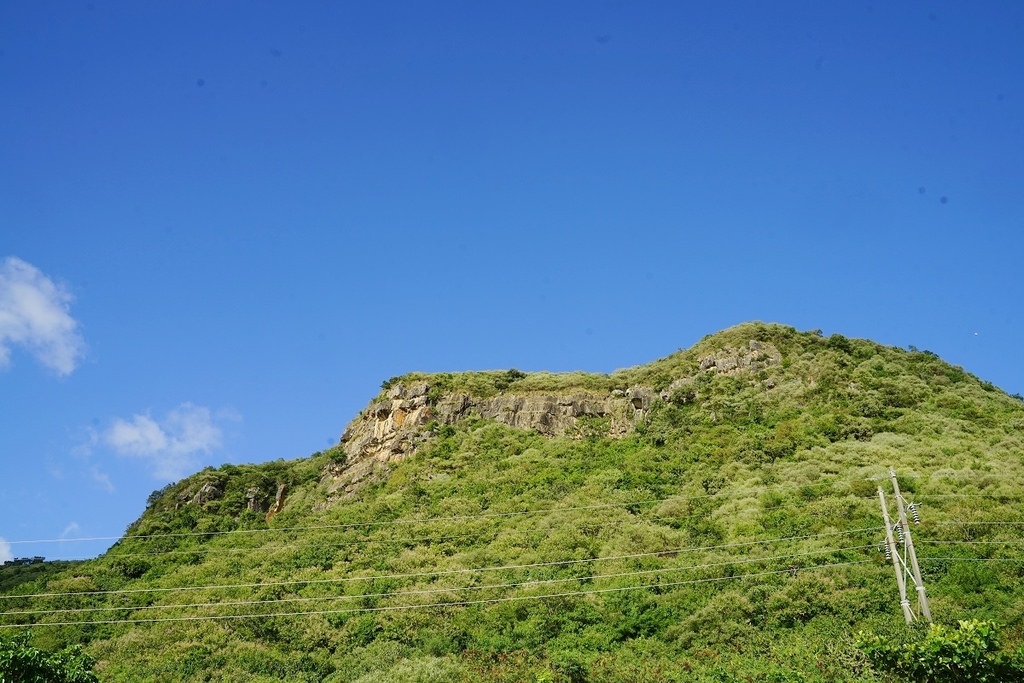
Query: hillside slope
(712,515)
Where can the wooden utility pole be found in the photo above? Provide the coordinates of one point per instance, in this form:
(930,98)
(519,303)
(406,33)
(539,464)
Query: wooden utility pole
(922,599)
(897,564)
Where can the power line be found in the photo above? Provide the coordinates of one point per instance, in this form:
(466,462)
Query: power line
(461,603)
(930,542)
(345,579)
(114,554)
(426,520)
(349,525)
(205,550)
(974,523)
(429,591)
(993,496)
(422,520)
(972,559)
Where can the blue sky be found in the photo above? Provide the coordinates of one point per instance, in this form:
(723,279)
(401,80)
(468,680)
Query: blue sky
(223,225)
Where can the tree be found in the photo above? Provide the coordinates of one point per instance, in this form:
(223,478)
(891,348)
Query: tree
(22,663)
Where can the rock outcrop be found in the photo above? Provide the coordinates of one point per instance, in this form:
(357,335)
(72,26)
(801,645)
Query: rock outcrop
(255,499)
(278,505)
(391,428)
(756,356)
(207,492)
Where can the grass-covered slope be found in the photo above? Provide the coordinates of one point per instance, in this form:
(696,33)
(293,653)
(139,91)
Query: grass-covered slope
(732,536)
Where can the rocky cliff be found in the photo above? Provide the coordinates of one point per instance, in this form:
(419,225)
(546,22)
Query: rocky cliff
(394,425)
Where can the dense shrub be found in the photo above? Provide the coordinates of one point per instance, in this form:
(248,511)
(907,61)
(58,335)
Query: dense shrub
(968,653)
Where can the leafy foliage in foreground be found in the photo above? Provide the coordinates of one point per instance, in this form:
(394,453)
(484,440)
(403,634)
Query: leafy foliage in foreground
(968,653)
(731,537)
(22,663)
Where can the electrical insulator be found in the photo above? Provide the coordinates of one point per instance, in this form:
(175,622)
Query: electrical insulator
(899,532)
(912,509)
(888,553)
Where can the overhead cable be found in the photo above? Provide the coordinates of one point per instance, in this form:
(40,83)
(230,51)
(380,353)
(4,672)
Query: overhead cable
(430,591)
(444,572)
(459,603)
(421,520)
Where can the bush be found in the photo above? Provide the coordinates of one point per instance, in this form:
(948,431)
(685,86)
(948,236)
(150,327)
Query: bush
(19,661)
(942,654)
(419,670)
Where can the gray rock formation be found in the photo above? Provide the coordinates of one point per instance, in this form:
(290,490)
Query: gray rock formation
(391,428)
(756,356)
(256,500)
(207,492)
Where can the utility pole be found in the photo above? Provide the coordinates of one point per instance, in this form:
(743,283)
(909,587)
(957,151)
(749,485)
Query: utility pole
(922,599)
(897,564)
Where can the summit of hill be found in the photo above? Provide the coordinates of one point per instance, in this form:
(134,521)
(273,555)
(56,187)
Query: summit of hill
(711,515)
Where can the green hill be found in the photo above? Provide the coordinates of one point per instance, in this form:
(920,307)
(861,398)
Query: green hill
(710,516)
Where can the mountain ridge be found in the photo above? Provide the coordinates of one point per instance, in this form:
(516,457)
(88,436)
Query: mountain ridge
(711,515)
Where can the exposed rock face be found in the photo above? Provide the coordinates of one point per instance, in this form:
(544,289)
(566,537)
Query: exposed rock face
(278,501)
(255,500)
(730,361)
(754,357)
(207,492)
(390,429)
(551,415)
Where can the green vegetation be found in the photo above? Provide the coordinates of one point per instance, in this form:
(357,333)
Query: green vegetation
(942,654)
(22,663)
(13,575)
(731,537)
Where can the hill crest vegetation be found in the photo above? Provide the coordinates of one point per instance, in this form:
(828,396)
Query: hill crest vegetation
(710,516)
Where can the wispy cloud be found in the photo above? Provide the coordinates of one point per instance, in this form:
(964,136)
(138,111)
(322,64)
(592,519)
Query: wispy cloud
(87,442)
(71,530)
(171,444)
(102,479)
(5,551)
(34,314)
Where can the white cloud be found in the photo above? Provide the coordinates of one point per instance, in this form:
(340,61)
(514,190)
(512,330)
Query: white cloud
(141,436)
(34,314)
(172,444)
(102,479)
(85,446)
(5,551)
(70,530)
